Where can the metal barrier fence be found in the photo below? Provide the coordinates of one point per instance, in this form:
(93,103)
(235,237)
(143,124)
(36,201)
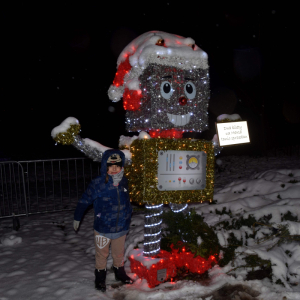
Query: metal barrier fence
(40,186)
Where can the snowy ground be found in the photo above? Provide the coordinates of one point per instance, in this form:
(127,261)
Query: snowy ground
(46,259)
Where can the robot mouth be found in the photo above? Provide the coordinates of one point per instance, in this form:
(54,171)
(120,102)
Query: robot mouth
(179,120)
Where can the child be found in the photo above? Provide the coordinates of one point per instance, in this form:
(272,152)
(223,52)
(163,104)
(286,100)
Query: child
(112,212)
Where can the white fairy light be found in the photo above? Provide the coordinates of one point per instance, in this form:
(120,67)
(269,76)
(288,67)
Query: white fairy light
(152,242)
(153,234)
(179,210)
(154,206)
(149,216)
(144,252)
(151,225)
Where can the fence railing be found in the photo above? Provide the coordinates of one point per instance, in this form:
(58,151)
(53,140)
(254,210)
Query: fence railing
(40,186)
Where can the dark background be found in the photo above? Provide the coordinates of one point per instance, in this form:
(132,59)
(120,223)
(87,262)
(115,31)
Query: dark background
(58,60)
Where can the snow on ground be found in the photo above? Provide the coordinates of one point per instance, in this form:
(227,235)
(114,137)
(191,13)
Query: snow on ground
(46,259)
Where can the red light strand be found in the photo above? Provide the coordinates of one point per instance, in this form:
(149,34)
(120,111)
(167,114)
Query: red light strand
(123,68)
(166,134)
(131,99)
(171,261)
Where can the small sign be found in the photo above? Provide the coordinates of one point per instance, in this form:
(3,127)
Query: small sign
(161,274)
(233,133)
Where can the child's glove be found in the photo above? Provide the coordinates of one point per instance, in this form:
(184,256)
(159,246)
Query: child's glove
(76,225)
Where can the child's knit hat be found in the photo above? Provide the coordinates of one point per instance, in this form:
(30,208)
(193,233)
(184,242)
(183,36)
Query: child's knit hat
(114,159)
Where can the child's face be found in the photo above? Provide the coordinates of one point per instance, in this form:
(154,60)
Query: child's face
(114,169)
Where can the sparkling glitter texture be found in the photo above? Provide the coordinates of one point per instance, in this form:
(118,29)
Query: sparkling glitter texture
(166,134)
(68,137)
(91,152)
(131,99)
(123,69)
(142,174)
(160,106)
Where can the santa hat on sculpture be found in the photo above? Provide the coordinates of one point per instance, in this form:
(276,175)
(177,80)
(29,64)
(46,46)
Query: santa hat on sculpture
(152,47)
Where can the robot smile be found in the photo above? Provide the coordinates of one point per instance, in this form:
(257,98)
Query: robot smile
(179,120)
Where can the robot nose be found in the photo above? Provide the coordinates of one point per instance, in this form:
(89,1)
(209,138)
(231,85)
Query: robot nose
(182,101)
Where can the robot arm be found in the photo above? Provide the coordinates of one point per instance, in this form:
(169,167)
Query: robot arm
(217,147)
(67,133)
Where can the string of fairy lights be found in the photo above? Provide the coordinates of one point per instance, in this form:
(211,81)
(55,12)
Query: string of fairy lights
(152,240)
(176,208)
(152,237)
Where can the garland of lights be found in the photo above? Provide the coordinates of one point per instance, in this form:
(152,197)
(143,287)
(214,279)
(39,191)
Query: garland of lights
(151,253)
(152,236)
(154,224)
(176,208)
(149,216)
(153,242)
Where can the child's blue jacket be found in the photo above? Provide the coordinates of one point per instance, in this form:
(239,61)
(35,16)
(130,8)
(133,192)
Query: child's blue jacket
(112,208)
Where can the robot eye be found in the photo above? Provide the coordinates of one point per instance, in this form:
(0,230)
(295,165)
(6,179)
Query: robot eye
(166,89)
(190,90)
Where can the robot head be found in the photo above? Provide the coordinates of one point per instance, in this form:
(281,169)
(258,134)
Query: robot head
(164,81)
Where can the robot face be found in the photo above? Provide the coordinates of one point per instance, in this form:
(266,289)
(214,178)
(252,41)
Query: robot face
(172,98)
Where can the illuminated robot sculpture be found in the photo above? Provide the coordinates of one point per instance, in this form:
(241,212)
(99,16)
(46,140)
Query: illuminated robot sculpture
(164,82)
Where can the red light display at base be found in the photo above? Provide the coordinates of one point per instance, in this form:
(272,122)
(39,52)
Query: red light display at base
(168,262)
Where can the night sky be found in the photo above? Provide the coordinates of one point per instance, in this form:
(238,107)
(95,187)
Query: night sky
(58,60)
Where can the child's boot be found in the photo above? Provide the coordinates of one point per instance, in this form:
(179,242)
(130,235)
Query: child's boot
(100,276)
(120,275)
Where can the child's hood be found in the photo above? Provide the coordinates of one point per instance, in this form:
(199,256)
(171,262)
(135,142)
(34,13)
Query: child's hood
(106,155)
